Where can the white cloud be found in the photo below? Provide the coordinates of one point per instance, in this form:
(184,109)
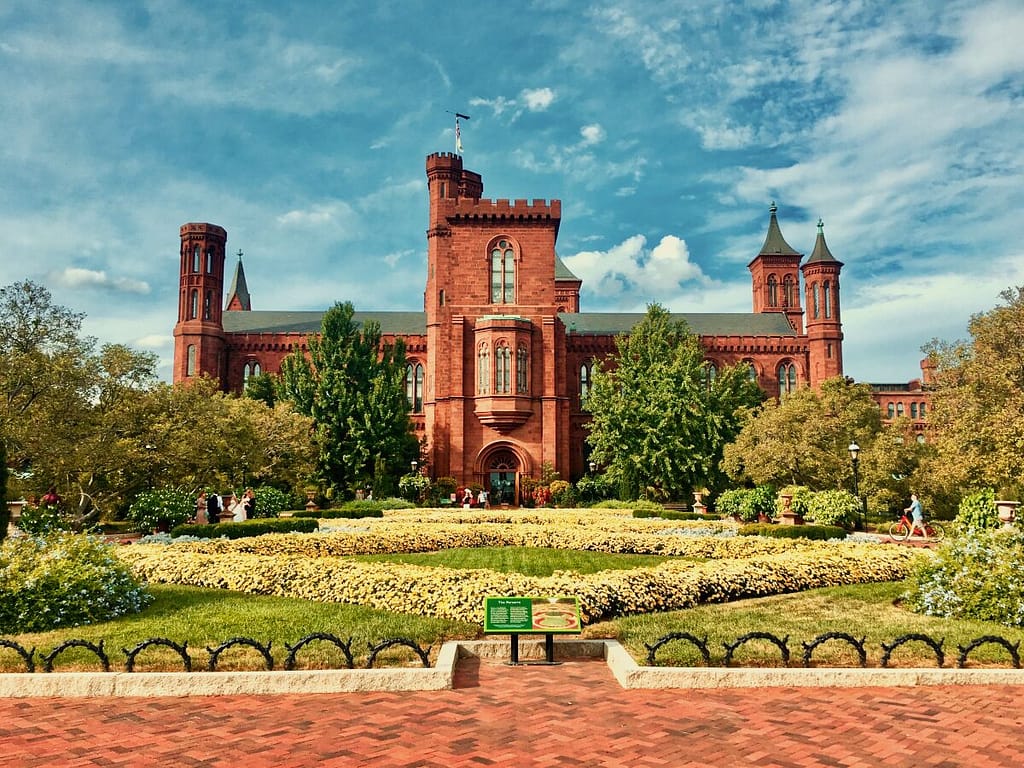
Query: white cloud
(632,272)
(331,215)
(592,134)
(537,99)
(76,277)
(155,341)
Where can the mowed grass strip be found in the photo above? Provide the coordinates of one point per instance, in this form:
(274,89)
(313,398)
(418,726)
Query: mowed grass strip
(529,561)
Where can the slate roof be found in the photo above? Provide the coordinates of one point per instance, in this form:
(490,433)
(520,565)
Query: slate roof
(596,323)
(562,272)
(821,251)
(239,288)
(774,243)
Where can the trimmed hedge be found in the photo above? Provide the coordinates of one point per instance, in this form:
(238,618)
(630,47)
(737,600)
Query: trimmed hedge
(817,532)
(335,514)
(255,527)
(671,514)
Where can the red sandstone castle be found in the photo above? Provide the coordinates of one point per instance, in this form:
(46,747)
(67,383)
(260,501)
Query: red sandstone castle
(501,356)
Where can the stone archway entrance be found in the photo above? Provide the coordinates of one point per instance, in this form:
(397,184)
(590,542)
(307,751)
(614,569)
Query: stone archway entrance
(502,477)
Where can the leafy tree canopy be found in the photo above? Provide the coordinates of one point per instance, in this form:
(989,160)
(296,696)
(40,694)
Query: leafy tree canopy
(660,417)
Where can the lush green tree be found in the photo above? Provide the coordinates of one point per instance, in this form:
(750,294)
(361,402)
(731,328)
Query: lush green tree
(660,419)
(263,388)
(802,439)
(977,415)
(352,385)
(4,514)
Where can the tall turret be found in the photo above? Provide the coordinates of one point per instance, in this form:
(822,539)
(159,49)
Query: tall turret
(775,274)
(824,326)
(199,332)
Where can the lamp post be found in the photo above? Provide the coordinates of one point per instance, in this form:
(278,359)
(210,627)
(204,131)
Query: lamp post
(854,450)
(413,465)
(593,467)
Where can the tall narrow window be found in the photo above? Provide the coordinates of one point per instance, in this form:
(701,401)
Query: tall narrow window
(751,371)
(502,369)
(194,305)
(522,378)
(503,273)
(584,382)
(414,386)
(207,304)
(814,300)
(922,410)
(773,291)
(788,292)
(913,410)
(826,289)
(899,409)
(190,361)
(891,411)
(483,370)
(710,374)
(196,252)
(209,261)
(787,379)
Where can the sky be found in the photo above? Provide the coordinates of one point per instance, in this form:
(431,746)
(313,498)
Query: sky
(665,128)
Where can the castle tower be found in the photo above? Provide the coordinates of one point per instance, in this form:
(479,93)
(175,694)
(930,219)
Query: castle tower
(238,293)
(775,274)
(199,332)
(824,326)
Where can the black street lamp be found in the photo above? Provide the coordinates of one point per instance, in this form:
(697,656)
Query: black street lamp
(854,450)
(593,467)
(414,464)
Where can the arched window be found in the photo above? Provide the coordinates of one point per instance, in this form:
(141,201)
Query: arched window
(207,304)
(710,374)
(816,311)
(788,292)
(252,368)
(899,409)
(414,386)
(503,273)
(194,305)
(209,261)
(773,291)
(502,369)
(787,379)
(891,411)
(196,253)
(190,361)
(913,410)
(483,369)
(921,411)
(522,378)
(826,289)
(751,371)
(584,382)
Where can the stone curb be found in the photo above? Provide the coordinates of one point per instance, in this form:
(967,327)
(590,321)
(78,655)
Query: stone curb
(440,677)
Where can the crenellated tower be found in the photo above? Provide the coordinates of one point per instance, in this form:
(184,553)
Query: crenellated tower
(775,274)
(199,339)
(824,324)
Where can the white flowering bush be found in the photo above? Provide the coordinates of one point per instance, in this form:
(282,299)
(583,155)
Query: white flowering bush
(979,575)
(63,580)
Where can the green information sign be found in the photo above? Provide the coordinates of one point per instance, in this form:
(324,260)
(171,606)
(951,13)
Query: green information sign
(532,615)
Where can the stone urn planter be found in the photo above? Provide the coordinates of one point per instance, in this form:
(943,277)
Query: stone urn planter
(698,503)
(1007,512)
(788,516)
(311,505)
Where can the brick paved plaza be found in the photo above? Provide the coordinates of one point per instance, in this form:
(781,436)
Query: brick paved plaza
(572,714)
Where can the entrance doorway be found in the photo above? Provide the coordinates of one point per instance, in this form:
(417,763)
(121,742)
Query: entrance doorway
(503,478)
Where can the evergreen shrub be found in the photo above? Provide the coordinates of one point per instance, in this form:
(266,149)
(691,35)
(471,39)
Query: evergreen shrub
(730,503)
(271,501)
(247,528)
(977,511)
(814,532)
(337,514)
(162,508)
(833,507)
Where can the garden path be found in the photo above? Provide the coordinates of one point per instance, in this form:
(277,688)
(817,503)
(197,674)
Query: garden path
(574,714)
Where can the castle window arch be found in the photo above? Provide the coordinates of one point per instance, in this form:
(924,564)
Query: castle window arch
(522,370)
(900,411)
(502,368)
(502,254)
(751,371)
(826,290)
(196,254)
(710,373)
(913,410)
(207,305)
(815,301)
(209,261)
(773,291)
(584,382)
(190,360)
(787,378)
(483,369)
(193,311)
(414,386)
(921,410)
(891,410)
(788,291)
(251,368)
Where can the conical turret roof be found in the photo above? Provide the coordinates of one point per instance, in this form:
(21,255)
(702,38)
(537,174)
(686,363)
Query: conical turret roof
(238,293)
(774,243)
(821,251)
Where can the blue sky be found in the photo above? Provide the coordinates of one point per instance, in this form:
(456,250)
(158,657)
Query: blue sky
(666,129)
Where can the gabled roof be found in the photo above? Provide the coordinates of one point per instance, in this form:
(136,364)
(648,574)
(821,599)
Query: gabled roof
(700,323)
(562,272)
(774,243)
(238,293)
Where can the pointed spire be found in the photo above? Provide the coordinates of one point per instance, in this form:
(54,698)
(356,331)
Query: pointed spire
(774,243)
(821,251)
(238,293)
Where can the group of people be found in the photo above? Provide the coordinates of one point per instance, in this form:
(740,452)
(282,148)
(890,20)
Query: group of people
(469,501)
(210,507)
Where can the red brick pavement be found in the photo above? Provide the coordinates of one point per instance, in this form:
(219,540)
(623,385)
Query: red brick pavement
(574,714)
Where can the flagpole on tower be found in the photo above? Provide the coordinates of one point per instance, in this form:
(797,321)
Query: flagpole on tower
(458,130)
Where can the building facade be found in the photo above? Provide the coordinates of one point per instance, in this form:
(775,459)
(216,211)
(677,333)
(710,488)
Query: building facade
(501,356)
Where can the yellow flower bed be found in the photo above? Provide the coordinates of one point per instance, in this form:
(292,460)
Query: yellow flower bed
(254,566)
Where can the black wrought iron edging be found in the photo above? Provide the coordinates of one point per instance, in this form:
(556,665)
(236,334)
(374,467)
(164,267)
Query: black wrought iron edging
(781,644)
(935,645)
(702,646)
(264,651)
(182,650)
(345,646)
(858,645)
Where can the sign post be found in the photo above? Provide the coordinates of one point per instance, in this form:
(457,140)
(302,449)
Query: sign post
(546,616)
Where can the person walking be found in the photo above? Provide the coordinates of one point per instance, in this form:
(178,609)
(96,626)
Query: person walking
(916,517)
(213,508)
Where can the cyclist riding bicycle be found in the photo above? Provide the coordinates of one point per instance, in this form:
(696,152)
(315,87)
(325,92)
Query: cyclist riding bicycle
(917,516)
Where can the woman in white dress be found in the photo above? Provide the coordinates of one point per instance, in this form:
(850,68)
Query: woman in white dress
(237,509)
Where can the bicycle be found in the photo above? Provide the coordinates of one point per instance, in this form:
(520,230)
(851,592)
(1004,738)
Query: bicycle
(900,530)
